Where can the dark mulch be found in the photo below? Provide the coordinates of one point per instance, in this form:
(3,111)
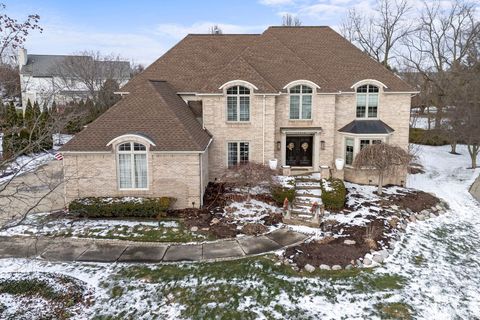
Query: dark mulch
(254,229)
(415,201)
(223,230)
(331,251)
(272,219)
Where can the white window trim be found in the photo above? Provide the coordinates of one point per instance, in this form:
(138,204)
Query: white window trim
(300,103)
(238,95)
(368,81)
(367,100)
(131,153)
(304,82)
(238,149)
(356,144)
(238,82)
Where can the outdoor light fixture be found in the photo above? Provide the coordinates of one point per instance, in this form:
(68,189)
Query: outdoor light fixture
(279,145)
(322,145)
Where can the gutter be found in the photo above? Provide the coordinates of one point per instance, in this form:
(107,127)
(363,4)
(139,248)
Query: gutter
(263,129)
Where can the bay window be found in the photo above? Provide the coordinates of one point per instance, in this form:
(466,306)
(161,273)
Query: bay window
(354,144)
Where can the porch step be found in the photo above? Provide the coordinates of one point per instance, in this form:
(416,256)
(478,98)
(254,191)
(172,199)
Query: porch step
(307,187)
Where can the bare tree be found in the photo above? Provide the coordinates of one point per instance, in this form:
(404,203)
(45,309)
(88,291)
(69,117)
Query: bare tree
(88,70)
(14,33)
(248,175)
(289,20)
(379,33)
(9,80)
(383,159)
(443,37)
(215,29)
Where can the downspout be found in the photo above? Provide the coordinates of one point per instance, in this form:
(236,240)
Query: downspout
(263,129)
(201,179)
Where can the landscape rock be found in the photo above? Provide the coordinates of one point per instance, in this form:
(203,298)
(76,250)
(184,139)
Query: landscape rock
(413,218)
(439,207)
(349,242)
(215,221)
(324,267)
(434,209)
(432,215)
(394,207)
(309,268)
(367,262)
(194,229)
(384,253)
(336,267)
(348,267)
(424,212)
(377,258)
(420,217)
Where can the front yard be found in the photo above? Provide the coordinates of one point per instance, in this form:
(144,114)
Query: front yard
(431,272)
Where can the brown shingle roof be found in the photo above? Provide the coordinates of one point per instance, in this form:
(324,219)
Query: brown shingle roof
(154,110)
(270,61)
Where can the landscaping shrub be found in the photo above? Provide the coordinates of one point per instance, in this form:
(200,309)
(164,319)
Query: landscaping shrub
(122,207)
(428,137)
(280,193)
(333,194)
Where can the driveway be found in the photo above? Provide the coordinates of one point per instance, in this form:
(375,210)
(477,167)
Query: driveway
(38,191)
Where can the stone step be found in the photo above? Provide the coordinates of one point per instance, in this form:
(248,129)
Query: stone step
(297,187)
(300,212)
(308,197)
(307,180)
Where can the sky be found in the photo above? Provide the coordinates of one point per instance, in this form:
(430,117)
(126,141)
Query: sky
(142,30)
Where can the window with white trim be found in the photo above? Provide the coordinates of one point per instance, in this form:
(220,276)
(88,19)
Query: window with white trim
(132,166)
(367,101)
(238,104)
(238,153)
(301,102)
(353,145)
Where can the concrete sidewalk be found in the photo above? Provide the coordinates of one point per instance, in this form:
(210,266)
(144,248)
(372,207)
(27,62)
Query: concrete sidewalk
(97,250)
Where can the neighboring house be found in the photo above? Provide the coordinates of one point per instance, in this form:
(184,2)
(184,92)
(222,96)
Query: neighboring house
(62,78)
(302,95)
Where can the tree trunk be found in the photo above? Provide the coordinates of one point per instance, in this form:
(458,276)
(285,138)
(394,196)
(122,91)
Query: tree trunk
(473,151)
(453,146)
(380,184)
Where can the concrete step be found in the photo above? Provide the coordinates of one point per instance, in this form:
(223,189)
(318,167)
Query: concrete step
(306,179)
(307,187)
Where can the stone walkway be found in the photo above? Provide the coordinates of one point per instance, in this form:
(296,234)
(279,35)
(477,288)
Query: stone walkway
(99,250)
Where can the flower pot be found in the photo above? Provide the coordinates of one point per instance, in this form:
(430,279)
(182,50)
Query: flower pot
(339,163)
(273,164)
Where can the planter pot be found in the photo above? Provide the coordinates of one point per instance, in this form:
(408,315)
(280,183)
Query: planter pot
(273,164)
(339,163)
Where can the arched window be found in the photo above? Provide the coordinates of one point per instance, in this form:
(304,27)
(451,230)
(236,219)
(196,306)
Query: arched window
(367,101)
(238,103)
(301,102)
(132,166)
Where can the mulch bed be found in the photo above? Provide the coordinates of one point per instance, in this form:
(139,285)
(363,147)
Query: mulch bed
(415,201)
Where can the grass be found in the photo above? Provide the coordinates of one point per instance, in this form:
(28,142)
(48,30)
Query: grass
(143,233)
(394,310)
(242,289)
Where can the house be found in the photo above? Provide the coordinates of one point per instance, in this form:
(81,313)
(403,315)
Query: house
(65,78)
(302,95)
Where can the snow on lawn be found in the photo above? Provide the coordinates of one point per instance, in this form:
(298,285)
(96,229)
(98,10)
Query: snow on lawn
(250,211)
(434,272)
(42,224)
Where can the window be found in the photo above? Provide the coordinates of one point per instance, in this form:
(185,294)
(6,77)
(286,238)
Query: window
(301,102)
(132,166)
(367,101)
(353,145)
(349,143)
(238,103)
(237,153)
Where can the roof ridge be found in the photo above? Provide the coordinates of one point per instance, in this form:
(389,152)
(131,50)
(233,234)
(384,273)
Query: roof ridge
(256,71)
(185,128)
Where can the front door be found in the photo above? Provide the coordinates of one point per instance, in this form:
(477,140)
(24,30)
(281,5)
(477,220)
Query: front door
(299,151)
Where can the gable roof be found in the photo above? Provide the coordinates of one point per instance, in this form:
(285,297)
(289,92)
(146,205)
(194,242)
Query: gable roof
(270,61)
(155,111)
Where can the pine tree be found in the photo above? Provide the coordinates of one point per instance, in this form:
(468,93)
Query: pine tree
(28,116)
(12,118)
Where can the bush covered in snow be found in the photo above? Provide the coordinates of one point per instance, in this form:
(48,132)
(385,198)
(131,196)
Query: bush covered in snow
(122,207)
(333,194)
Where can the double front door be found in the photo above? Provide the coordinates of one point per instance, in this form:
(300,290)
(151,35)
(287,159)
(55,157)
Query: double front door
(299,151)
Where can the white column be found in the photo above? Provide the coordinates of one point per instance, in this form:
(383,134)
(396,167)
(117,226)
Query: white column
(283,149)
(316,152)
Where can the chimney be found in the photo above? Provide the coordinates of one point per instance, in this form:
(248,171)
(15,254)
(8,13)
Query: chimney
(22,57)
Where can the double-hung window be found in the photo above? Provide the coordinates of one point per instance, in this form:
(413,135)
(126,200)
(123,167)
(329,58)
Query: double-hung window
(353,145)
(132,166)
(301,102)
(238,153)
(366,142)
(349,146)
(367,101)
(238,104)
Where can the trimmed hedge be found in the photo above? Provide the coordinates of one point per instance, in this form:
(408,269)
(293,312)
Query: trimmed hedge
(334,194)
(121,207)
(280,193)
(428,137)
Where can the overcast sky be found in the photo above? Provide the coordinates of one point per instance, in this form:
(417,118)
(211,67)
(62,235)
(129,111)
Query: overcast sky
(143,30)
